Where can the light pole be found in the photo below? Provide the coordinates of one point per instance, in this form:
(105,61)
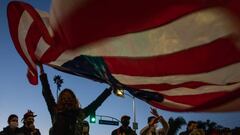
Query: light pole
(120,93)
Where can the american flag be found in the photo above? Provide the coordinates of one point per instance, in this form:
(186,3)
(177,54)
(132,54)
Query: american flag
(177,55)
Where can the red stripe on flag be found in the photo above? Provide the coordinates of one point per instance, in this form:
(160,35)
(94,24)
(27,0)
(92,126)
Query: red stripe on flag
(14,13)
(205,58)
(32,40)
(165,86)
(158,105)
(200,102)
(196,100)
(106,18)
(228,97)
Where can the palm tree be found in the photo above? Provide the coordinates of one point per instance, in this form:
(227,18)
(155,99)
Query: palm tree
(175,125)
(211,125)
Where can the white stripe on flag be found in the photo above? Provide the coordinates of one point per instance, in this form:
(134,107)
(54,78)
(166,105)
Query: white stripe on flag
(23,27)
(42,47)
(187,32)
(201,90)
(175,105)
(222,76)
(45,18)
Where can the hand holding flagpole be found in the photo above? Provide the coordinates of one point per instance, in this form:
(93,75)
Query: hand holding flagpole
(41,68)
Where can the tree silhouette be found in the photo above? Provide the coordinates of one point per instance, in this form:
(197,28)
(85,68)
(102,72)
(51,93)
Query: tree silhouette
(175,125)
(211,125)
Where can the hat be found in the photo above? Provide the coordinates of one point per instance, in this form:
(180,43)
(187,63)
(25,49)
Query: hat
(125,117)
(29,113)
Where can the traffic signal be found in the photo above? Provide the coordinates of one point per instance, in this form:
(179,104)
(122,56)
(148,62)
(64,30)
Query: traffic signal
(92,117)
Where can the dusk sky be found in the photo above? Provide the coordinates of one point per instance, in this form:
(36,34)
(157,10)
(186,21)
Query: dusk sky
(18,95)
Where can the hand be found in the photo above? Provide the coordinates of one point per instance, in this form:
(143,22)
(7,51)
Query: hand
(41,68)
(154,112)
(154,121)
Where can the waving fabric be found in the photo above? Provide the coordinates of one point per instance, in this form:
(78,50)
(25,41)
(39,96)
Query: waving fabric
(176,55)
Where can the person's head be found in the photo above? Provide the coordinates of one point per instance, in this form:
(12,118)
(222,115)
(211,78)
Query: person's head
(192,125)
(151,120)
(13,121)
(67,100)
(125,120)
(28,118)
(85,127)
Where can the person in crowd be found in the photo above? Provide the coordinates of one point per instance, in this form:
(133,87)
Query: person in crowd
(28,127)
(66,114)
(85,127)
(227,131)
(192,125)
(151,128)
(125,129)
(12,128)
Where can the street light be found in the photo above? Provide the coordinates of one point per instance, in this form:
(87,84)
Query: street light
(120,93)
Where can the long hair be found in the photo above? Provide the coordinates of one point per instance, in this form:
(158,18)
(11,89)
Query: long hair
(60,105)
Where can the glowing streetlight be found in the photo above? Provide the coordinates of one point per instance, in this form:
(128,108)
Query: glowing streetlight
(120,93)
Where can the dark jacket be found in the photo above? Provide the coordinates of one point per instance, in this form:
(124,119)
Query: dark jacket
(7,131)
(121,130)
(27,131)
(68,122)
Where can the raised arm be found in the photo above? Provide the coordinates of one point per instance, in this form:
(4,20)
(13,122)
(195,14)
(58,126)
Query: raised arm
(160,118)
(46,91)
(96,103)
(165,125)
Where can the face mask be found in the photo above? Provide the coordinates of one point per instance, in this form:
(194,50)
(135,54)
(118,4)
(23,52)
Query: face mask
(125,123)
(13,124)
(29,123)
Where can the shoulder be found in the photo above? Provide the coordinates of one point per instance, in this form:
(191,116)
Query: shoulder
(2,133)
(21,128)
(114,131)
(18,130)
(37,130)
(129,128)
(132,131)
